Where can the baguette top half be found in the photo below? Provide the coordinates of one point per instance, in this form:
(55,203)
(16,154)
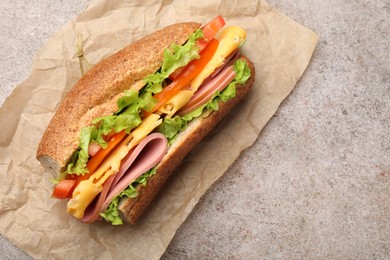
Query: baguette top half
(96,93)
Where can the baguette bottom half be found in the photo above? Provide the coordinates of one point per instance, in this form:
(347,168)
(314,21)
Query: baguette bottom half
(131,209)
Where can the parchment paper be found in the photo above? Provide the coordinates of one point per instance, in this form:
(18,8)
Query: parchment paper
(281,50)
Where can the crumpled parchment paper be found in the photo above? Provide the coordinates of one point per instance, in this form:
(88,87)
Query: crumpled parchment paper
(280,49)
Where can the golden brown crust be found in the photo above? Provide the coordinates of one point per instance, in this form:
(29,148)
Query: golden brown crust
(96,92)
(131,209)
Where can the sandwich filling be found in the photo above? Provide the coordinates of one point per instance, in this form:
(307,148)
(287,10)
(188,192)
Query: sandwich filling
(119,152)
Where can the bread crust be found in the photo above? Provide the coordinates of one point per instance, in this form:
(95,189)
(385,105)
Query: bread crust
(132,209)
(96,92)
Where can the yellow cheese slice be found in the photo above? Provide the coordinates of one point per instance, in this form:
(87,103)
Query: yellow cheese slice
(176,102)
(229,39)
(88,189)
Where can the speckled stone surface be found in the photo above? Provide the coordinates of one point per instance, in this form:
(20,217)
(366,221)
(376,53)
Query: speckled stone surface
(316,183)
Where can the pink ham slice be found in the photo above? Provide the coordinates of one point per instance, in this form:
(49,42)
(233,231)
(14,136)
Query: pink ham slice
(229,60)
(144,157)
(93,148)
(206,91)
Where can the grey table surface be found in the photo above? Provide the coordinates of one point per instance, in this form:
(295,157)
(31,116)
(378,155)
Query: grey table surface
(316,183)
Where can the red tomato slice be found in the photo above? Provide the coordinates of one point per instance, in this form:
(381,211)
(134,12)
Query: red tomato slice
(63,189)
(72,176)
(209,31)
(97,159)
(214,26)
(190,72)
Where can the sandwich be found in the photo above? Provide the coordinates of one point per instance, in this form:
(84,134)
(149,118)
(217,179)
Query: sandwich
(128,123)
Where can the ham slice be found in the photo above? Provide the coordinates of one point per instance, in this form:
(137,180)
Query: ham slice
(144,157)
(206,91)
(93,148)
(229,60)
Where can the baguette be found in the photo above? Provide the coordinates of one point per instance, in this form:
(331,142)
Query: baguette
(96,94)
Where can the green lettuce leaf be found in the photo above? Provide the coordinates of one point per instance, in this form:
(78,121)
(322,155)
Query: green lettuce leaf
(130,97)
(143,179)
(78,164)
(148,101)
(242,71)
(112,213)
(171,126)
(175,57)
(127,120)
